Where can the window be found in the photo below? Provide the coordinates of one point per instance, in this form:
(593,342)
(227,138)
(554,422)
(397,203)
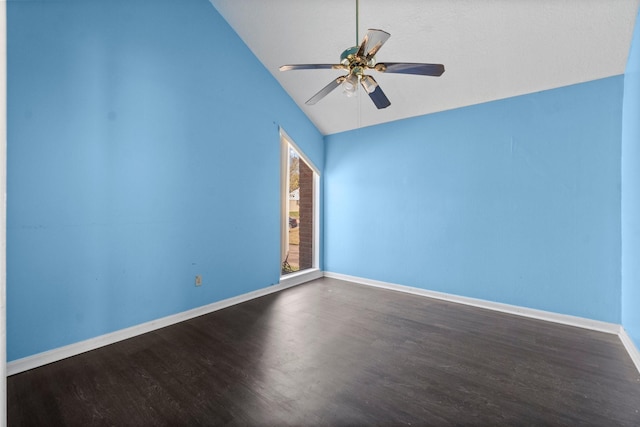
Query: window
(300,209)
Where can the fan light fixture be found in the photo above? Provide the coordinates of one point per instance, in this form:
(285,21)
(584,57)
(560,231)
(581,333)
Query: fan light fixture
(350,85)
(369,84)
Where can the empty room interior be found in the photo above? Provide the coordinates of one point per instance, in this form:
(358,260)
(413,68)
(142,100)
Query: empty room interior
(229,212)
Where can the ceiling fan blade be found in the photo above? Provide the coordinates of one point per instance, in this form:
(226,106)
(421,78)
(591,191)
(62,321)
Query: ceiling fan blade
(325,90)
(379,98)
(312,67)
(372,42)
(375,93)
(410,68)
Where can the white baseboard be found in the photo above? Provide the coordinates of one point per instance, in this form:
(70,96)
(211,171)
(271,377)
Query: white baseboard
(295,279)
(44,358)
(580,322)
(631,348)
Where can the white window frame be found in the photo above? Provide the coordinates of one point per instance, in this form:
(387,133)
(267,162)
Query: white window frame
(313,272)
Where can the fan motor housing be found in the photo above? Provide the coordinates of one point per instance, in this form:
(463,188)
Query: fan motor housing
(355,63)
(348,55)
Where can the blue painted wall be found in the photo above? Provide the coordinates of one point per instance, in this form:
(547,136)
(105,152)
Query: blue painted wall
(143,150)
(631,192)
(515,201)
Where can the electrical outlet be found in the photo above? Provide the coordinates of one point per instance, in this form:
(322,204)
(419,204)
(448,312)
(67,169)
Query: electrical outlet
(198,280)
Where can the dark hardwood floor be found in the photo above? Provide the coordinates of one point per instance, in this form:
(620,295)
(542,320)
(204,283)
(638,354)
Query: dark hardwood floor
(333,353)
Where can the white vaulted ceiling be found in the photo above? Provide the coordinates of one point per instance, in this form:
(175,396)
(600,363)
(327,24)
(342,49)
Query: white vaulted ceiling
(491,49)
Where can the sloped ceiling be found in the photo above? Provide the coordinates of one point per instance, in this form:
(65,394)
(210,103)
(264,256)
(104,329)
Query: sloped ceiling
(492,49)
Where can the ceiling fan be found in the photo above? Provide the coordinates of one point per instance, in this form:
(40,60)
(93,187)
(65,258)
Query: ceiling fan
(357,60)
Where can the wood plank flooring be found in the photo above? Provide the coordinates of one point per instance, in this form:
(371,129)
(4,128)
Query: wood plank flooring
(334,353)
